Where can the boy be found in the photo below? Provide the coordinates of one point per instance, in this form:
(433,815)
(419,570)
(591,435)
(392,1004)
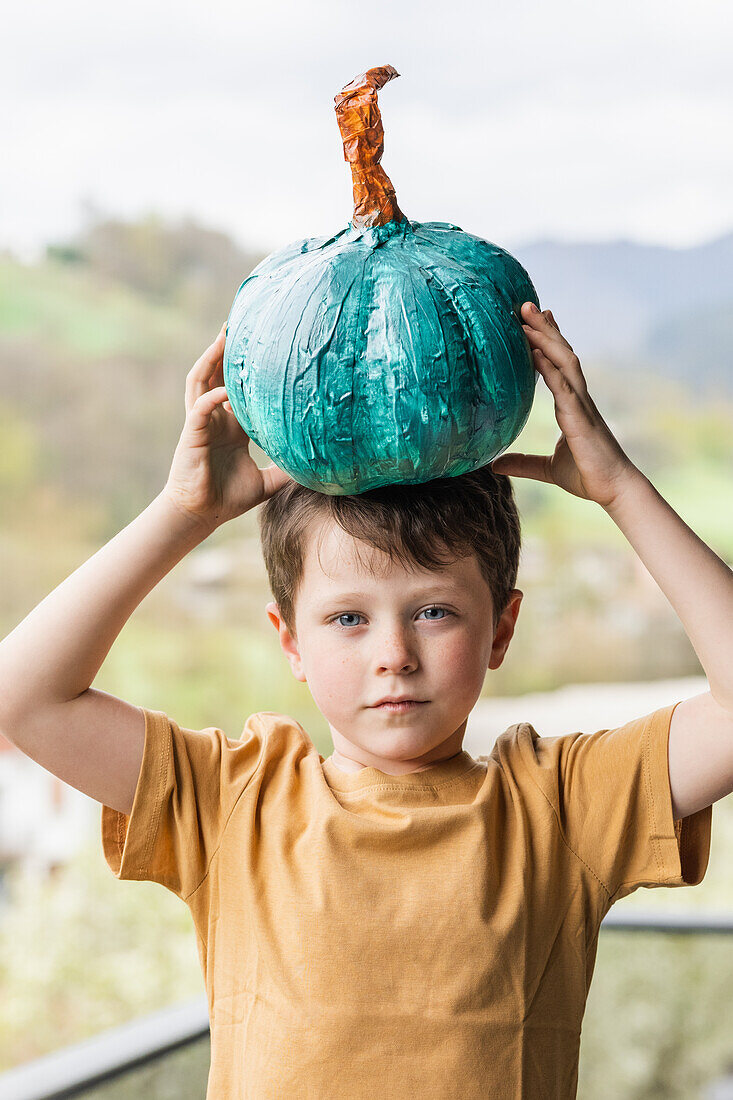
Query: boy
(398,920)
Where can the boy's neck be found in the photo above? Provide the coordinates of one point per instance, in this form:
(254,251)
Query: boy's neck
(346,764)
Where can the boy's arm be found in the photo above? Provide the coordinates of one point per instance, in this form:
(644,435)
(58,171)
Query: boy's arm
(88,738)
(589,462)
(699,586)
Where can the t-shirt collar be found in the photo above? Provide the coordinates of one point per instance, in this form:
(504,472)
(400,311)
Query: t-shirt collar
(441,772)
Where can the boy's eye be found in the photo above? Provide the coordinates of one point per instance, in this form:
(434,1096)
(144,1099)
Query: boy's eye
(346,615)
(440,609)
(442,613)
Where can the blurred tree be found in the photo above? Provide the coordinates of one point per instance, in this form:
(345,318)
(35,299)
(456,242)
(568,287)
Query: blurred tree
(182,264)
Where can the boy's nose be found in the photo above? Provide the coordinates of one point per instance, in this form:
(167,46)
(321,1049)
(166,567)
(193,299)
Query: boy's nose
(396,654)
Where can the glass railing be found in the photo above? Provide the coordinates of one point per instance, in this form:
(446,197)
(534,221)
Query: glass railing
(163,1056)
(658,1023)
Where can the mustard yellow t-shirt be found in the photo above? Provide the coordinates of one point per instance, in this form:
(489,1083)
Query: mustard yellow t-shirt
(429,935)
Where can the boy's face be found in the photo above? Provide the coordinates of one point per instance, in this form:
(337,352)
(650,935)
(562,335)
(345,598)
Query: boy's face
(360,637)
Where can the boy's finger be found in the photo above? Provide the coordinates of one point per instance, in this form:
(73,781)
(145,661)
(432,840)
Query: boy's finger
(204,405)
(204,369)
(215,350)
(205,365)
(541,320)
(569,397)
(559,353)
(516,464)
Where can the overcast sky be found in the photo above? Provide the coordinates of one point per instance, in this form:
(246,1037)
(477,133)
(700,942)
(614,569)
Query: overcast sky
(566,119)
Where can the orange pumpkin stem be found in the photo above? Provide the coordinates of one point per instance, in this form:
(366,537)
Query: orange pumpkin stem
(360,123)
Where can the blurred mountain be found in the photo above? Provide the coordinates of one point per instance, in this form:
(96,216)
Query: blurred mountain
(669,310)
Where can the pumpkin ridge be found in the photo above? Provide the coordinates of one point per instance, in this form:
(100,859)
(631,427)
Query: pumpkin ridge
(473,369)
(422,320)
(355,372)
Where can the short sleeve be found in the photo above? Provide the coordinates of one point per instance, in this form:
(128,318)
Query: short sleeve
(189,783)
(610,791)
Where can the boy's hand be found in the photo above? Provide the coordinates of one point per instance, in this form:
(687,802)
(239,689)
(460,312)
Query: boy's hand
(588,460)
(213,478)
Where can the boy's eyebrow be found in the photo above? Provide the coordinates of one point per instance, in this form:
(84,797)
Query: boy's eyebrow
(442,587)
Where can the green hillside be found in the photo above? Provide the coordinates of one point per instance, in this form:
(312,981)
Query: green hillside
(75,313)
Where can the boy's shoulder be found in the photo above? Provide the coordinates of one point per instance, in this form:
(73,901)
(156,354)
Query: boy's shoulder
(275,726)
(563,767)
(521,742)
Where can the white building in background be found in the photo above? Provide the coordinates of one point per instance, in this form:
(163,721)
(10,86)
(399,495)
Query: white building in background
(43,821)
(574,708)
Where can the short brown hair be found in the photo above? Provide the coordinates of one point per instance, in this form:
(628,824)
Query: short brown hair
(415,524)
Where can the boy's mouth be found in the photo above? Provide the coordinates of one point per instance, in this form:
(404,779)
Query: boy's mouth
(399,705)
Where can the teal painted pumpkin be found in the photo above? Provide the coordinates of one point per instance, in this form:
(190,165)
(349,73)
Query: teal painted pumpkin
(391,352)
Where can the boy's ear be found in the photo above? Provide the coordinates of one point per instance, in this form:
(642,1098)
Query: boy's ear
(505,628)
(288,643)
